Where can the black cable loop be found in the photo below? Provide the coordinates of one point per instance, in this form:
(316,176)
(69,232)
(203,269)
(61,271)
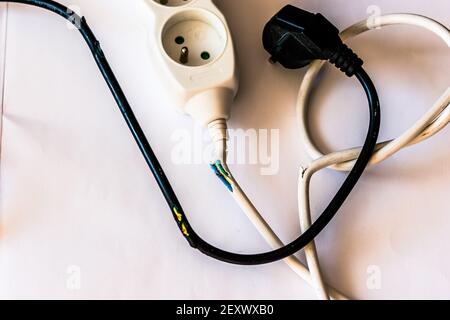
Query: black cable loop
(193,238)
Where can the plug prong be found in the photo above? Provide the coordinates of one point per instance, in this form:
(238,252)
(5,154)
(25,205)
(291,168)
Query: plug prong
(184,55)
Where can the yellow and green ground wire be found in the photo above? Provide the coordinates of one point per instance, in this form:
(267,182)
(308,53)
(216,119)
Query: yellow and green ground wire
(222,174)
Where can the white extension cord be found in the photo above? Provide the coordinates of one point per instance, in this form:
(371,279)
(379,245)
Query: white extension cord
(195,48)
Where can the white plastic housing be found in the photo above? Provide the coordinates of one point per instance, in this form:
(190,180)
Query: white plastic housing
(203,82)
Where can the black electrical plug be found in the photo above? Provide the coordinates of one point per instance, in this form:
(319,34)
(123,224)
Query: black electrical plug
(295,38)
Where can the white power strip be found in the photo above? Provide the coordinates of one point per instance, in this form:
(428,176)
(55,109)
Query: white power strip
(194,50)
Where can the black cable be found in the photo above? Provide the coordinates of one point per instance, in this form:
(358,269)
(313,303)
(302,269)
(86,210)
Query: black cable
(193,238)
(329,213)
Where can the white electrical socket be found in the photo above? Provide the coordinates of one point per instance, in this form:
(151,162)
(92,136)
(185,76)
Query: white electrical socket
(194,52)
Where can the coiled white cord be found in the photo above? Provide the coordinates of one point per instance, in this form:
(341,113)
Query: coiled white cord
(430,124)
(433,121)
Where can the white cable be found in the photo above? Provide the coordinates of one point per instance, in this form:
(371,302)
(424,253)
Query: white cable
(437,118)
(218,134)
(431,123)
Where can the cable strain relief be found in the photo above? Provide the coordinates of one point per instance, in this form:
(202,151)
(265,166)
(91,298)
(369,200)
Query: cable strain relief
(346,60)
(218,130)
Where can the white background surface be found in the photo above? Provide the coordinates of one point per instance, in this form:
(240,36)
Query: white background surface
(75,190)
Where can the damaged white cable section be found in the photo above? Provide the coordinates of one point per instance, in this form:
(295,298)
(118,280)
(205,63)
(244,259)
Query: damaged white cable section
(218,134)
(436,119)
